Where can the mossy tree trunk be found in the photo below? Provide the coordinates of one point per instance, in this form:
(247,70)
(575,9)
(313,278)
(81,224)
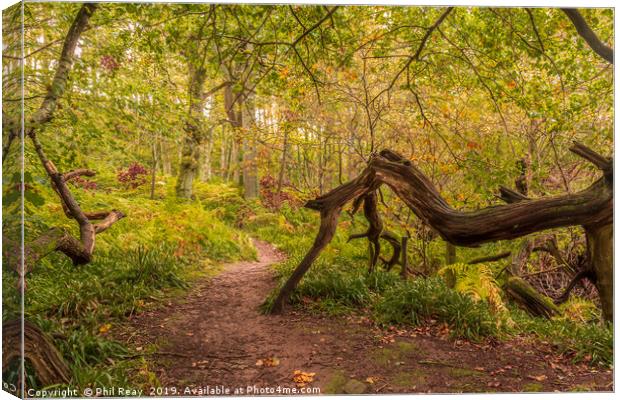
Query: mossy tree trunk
(600,252)
(190,153)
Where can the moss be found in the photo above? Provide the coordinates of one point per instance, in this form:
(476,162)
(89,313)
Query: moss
(410,379)
(462,372)
(528,297)
(384,357)
(395,353)
(586,387)
(407,347)
(336,383)
(532,387)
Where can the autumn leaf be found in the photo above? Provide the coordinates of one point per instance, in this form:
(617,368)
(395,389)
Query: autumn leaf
(105,328)
(268,362)
(302,378)
(538,378)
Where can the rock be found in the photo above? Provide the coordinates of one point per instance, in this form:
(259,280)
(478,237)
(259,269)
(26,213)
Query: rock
(353,386)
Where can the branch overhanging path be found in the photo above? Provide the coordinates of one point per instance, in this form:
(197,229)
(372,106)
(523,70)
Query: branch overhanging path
(584,30)
(591,207)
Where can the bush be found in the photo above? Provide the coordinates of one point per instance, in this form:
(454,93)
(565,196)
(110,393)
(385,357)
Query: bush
(134,176)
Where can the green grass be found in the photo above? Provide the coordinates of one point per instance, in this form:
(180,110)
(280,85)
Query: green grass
(412,302)
(591,341)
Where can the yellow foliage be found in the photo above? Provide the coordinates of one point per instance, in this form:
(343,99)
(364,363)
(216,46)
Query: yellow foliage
(105,328)
(476,281)
(579,310)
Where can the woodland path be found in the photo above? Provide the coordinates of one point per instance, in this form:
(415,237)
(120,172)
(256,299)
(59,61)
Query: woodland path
(215,336)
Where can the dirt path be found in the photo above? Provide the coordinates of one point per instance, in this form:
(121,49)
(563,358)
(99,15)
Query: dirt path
(213,338)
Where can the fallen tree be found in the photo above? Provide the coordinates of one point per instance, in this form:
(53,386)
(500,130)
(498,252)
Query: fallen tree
(591,208)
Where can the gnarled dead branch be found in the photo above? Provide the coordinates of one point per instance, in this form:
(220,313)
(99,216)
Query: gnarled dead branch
(592,207)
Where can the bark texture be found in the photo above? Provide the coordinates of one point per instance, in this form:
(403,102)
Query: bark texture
(600,250)
(47,363)
(529,299)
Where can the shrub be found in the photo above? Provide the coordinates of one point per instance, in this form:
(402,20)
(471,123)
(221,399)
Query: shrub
(134,176)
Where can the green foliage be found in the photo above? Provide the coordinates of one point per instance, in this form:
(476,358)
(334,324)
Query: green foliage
(476,281)
(591,342)
(127,102)
(414,301)
(580,310)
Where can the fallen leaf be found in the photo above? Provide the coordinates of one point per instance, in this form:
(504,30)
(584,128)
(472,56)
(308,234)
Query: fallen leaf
(269,362)
(104,328)
(301,378)
(479,369)
(538,378)
(370,380)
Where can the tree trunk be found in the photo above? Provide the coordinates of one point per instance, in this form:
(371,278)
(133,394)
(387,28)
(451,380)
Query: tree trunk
(153,167)
(600,251)
(190,153)
(188,167)
(404,272)
(250,166)
(528,298)
(282,163)
(48,365)
(450,253)
(166,165)
(329,221)
(206,170)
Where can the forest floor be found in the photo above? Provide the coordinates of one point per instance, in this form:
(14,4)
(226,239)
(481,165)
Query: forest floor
(216,338)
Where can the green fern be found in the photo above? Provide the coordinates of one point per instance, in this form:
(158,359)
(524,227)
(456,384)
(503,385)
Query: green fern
(476,281)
